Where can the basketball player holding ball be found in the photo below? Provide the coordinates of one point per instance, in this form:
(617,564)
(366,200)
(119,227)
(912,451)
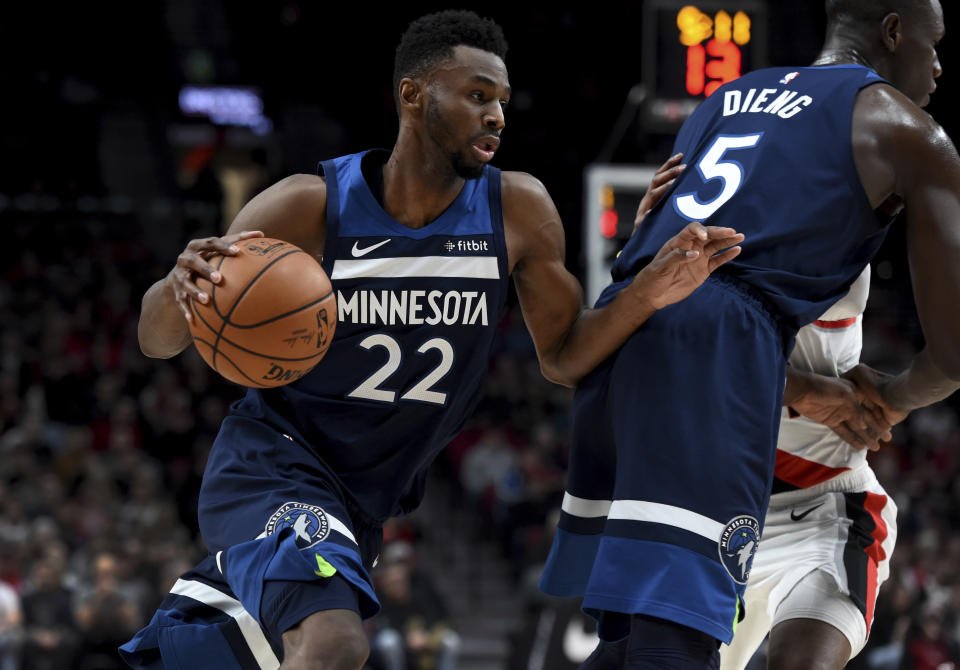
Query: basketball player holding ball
(419,244)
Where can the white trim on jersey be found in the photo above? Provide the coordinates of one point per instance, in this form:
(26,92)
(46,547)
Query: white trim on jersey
(642,510)
(584,508)
(476,267)
(249,628)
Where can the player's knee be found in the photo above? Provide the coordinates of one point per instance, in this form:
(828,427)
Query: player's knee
(791,655)
(323,642)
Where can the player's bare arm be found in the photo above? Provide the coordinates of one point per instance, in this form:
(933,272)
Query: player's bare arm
(293,210)
(910,158)
(571,340)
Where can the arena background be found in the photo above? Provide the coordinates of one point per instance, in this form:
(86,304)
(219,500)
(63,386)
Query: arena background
(103,180)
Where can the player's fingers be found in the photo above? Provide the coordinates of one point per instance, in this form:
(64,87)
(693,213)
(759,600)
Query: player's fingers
(692,232)
(719,232)
(181,299)
(850,436)
(662,178)
(245,235)
(719,259)
(879,430)
(193,264)
(193,291)
(670,163)
(713,246)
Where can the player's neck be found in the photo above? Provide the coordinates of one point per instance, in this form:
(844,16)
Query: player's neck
(839,50)
(418,186)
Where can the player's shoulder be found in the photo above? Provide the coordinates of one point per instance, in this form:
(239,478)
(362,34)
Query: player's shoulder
(886,113)
(524,194)
(300,187)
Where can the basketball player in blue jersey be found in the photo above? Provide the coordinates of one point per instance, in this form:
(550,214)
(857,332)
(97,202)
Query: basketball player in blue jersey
(419,244)
(674,438)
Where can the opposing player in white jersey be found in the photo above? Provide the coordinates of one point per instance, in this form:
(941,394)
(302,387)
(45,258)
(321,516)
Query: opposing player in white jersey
(830,527)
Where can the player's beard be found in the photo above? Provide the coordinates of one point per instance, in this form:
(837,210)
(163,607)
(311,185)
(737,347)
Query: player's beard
(442,135)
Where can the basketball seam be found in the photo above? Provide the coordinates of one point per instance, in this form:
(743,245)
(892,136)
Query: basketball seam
(236,367)
(281,316)
(256,277)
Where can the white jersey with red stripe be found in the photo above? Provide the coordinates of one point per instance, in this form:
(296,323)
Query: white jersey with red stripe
(809,453)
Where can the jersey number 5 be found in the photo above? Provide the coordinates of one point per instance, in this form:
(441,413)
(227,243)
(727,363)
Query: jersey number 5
(370,389)
(711,166)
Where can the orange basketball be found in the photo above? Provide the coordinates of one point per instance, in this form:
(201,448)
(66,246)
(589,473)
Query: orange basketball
(270,319)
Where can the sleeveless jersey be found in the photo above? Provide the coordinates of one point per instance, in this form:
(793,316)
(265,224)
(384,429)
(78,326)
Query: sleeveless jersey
(809,453)
(417,311)
(770,155)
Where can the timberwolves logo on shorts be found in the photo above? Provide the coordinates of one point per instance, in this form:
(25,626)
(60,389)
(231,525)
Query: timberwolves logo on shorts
(738,543)
(309,523)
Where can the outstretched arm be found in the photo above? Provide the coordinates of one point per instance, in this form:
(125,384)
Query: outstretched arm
(571,340)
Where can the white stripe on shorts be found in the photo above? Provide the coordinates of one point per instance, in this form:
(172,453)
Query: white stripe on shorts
(478,267)
(584,508)
(249,628)
(641,510)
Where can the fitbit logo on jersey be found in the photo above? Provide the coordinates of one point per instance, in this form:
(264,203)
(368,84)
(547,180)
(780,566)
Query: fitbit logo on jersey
(466,245)
(466,308)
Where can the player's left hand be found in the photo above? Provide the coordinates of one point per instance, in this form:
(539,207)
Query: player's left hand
(685,262)
(662,181)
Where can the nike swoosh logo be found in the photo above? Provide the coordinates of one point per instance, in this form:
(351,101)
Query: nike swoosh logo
(358,252)
(796,517)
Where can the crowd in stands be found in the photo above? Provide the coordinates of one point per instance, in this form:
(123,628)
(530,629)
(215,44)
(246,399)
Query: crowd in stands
(102,452)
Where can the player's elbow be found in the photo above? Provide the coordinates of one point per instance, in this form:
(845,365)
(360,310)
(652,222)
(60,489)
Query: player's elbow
(558,374)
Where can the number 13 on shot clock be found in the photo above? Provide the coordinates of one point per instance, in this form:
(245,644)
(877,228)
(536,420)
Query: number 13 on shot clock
(691,48)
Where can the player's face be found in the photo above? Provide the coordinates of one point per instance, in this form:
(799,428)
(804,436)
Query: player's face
(464,116)
(916,65)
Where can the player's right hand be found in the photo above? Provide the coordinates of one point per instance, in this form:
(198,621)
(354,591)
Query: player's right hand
(870,383)
(192,263)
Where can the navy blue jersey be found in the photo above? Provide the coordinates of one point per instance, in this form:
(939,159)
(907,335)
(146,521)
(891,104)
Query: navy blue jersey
(770,155)
(417,313)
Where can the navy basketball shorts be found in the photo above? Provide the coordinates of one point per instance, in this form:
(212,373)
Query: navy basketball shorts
(284,543)
(672,451)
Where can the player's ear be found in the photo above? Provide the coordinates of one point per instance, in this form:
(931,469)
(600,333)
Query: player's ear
(410,93)
(891,31)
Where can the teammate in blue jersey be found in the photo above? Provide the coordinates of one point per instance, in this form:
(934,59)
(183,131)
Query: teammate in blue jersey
(674,437)
(419,244)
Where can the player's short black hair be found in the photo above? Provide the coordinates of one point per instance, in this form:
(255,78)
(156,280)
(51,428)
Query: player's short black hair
(430,40)
(869,11)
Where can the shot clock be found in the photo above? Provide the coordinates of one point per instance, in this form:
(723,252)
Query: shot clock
(692,48)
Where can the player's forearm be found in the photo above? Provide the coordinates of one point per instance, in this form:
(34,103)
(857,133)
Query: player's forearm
(594,335)
(921,384)
(799,383)
(162,330)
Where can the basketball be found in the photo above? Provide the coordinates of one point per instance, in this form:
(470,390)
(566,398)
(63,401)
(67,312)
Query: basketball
(270,319)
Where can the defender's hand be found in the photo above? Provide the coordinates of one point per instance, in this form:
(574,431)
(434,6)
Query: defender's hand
(662,181)
(870,383)
(837,404)
(685,262)
(192,263)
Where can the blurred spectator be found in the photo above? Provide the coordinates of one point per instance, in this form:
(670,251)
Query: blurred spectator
(51,638)
(411,632)
(106,615)
(928,647)
(11,631)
